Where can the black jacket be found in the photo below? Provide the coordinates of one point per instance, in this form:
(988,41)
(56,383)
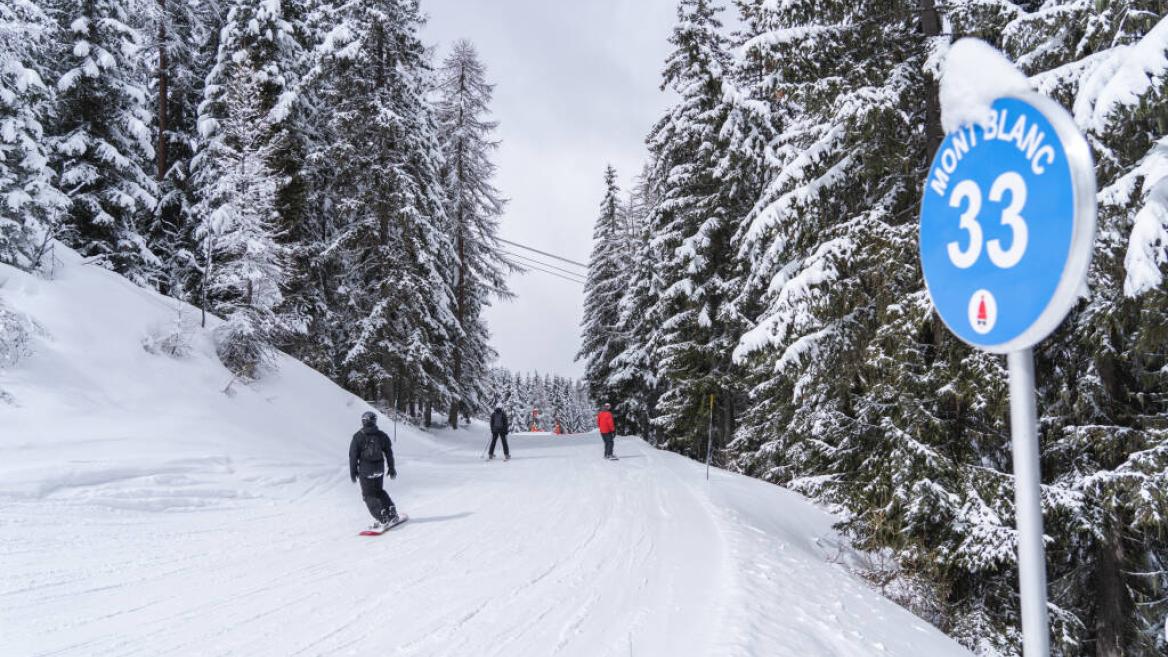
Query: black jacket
(499,422)
(368,451)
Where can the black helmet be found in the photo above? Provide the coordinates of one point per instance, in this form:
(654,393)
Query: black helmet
(369,419)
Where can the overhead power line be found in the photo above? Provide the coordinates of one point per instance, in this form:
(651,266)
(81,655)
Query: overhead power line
(529,260)
(543,253)
(548,271)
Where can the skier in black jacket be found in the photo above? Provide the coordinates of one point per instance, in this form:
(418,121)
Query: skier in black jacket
(499,429)
(368,452)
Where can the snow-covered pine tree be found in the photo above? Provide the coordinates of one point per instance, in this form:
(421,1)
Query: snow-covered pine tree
(633,376)
(859,395)
(915,444)
(708,150)
(474,209)
(499,388)
(539,401)
(583,409)
(255,34)
(561,398)
(103,146)
(517,405)
(390,244)
(600,341)
(1105,441)
(258,35)
(30,202)
(243,263)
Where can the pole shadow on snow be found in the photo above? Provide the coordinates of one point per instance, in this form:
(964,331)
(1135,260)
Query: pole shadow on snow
(426,519)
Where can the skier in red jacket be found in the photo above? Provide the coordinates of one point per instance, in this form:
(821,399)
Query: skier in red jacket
(607,430)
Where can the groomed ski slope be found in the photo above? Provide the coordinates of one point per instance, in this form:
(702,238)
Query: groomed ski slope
(143,511)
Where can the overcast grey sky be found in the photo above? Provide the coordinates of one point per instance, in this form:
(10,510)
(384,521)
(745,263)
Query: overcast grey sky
(576,87)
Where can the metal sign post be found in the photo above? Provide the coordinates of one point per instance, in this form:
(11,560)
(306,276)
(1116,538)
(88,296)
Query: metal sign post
(1028,505)
(1007,228)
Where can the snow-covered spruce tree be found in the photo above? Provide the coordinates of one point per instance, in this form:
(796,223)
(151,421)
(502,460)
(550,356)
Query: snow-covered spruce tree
(181,44)
(914,444)
(243,263)
(101,137)
(308,222)
(517,406)
(633,376)
(392,238)
(859,394)
(708,151)
(1104,439)
(256,34)
(601,341)
(557,398)
(474,209)
(30,202)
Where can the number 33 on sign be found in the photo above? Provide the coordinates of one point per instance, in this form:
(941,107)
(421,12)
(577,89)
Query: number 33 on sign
(1007,224)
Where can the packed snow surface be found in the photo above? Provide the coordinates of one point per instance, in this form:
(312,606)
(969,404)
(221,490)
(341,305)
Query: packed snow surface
(145,511)
(973,76)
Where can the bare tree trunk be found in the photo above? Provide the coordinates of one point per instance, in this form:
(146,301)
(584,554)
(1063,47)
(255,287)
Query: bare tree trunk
(206,278)
(1114,608)
(460,302)
(931,27)
(163,83)
(389,386)
(460,309)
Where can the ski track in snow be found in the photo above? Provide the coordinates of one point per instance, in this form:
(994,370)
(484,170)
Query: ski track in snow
(144,512)
(557,552)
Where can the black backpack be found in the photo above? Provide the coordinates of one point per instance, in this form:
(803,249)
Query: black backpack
(371,450)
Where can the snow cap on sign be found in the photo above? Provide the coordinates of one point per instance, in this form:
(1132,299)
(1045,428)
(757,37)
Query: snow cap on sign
(974,75)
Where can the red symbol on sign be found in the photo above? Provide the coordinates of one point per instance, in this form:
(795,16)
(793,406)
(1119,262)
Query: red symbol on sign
(981,312)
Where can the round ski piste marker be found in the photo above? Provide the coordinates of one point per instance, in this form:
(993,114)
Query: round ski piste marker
(1008,212)
(983,311)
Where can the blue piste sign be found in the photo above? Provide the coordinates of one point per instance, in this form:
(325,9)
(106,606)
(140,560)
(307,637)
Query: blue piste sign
(1008,223)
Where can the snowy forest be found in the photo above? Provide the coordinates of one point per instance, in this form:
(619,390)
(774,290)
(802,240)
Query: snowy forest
(306,171)
(774,238)
(320,182)
(559,400)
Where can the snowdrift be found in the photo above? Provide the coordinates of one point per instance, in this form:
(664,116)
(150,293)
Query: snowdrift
(151,506)
(89,405)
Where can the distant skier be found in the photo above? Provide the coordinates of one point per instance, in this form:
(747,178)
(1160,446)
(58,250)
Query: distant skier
(500,427)
(607,430)
(368,453)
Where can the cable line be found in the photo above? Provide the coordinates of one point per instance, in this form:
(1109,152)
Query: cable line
(545,253)
(566,278)
(542,264)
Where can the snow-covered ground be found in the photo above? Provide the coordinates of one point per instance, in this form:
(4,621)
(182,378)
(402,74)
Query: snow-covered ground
(144,511)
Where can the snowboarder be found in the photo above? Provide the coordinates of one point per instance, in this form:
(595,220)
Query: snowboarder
(368,453)
(607,430)
(500,426)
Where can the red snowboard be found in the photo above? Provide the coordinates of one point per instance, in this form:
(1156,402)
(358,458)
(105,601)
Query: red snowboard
(400,519)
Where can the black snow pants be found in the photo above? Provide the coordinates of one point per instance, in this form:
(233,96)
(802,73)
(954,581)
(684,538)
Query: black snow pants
(495,435)
(608,437)
(380,506)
